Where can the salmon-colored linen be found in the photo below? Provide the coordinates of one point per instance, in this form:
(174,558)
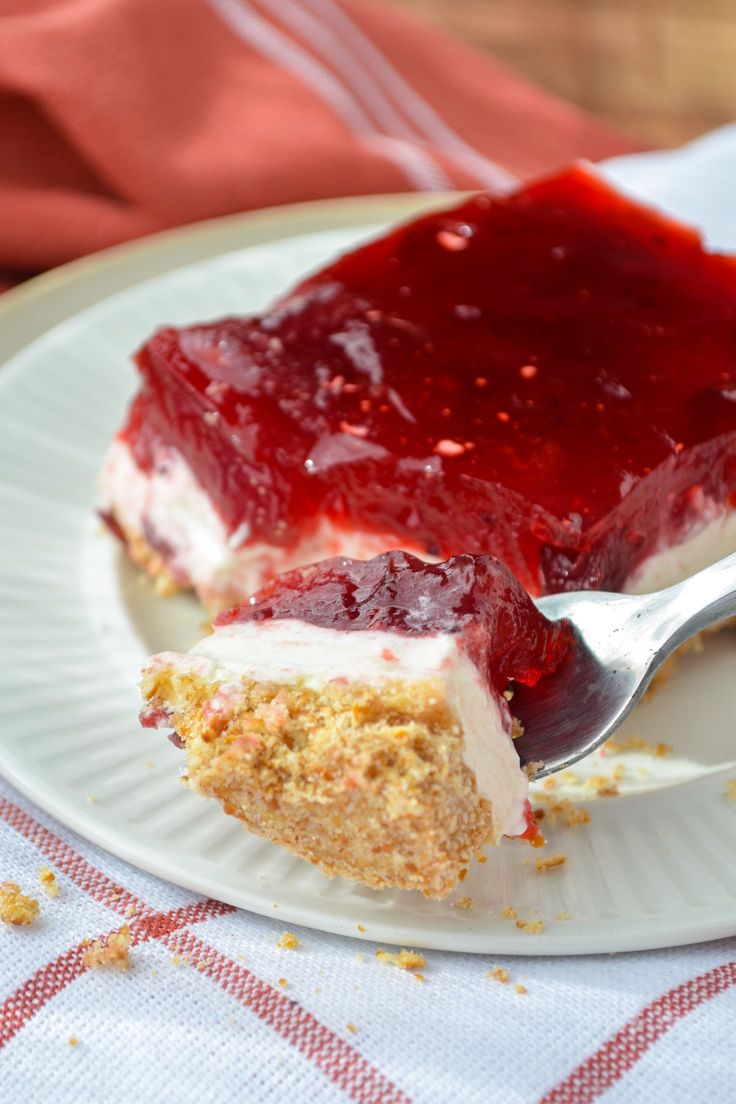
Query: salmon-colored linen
(123,117)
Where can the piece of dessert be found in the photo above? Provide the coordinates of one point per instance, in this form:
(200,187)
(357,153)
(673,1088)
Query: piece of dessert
(356,712)
(547,376)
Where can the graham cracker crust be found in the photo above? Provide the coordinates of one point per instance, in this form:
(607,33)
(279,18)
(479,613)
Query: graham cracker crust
(364,782)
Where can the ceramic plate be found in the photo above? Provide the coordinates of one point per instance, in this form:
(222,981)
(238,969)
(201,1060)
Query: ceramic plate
(653,867)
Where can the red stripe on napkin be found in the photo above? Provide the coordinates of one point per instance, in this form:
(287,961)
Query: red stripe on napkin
(47,982)
(339,1061)
(336,1059)
(624,1049)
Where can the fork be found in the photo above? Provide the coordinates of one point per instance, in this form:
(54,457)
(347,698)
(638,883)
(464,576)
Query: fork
(620,641)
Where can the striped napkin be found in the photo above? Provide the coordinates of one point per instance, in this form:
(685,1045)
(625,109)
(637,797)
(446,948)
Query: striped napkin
(218,1004)
(123,117)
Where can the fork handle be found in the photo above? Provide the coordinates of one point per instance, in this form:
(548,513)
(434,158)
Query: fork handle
(682,611)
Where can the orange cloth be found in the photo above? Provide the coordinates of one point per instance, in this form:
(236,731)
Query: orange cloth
(123,117)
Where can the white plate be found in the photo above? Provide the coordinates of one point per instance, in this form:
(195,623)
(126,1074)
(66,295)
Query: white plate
(653,868)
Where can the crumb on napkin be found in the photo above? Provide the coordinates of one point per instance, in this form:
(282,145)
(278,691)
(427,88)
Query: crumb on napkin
(111,952)
(15,907)
(405,960)
(288,941)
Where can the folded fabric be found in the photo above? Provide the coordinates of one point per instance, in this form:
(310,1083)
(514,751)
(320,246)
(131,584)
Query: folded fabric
(122,117)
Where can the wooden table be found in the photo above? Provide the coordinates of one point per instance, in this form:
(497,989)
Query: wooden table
(661,70)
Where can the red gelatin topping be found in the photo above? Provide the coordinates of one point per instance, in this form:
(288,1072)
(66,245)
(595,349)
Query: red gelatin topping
(475,597)
(549,376)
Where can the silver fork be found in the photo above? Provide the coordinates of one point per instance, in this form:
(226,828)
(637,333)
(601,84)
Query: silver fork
(620,642)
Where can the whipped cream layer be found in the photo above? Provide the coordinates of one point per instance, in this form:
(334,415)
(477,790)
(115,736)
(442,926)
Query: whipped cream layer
(286,651)
(169,506)
(712,538)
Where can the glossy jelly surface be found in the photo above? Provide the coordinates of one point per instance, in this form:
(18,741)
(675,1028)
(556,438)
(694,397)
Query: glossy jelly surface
(548,376)
(475,597)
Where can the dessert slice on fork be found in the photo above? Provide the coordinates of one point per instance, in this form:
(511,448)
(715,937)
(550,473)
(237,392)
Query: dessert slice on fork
(358,713)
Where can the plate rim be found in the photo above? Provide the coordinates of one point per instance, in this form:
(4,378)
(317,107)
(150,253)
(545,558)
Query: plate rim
(654,934)
(165,250)
(86,280)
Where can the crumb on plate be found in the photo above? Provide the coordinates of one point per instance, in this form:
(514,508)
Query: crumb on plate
(613,746)
(560,810)
(531,927)
(550,862)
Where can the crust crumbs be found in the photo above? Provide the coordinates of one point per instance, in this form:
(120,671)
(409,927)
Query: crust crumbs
(731,789)
(509,913)
(15,908)
(551,862)
(604,785)
(498,974)
(331,773)
(532,769)
(352,1029)
(112,952)
(288,941)
(531,927)
(405,960)
(47,878)
(635,743)
(563,809)
(463,903)
(563,916)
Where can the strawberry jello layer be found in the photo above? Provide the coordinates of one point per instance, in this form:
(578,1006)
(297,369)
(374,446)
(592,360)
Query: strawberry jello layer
(358,713)
(548,376)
